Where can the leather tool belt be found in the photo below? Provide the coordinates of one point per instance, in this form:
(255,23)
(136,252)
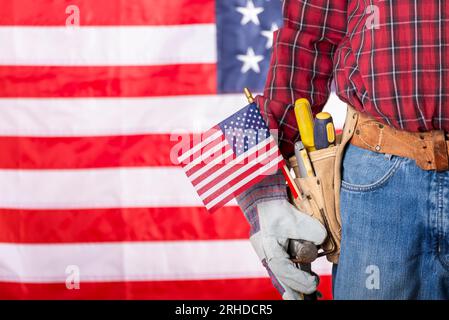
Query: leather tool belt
(428,149)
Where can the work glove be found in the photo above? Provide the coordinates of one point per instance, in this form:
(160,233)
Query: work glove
(274,223)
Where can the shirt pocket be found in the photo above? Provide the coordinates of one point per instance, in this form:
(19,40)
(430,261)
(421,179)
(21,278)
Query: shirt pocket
(364,170)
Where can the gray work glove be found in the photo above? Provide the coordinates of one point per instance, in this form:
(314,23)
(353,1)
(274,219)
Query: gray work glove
(278,222)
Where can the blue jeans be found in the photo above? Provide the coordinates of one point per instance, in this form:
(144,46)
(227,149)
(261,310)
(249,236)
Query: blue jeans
(395,229)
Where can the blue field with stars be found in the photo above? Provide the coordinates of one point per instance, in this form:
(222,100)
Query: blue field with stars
(245,129)
(244,41)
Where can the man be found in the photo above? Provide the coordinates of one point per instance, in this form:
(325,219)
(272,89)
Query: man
(390,61)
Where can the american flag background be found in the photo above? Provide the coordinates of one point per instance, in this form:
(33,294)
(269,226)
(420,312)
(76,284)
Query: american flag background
(93,94)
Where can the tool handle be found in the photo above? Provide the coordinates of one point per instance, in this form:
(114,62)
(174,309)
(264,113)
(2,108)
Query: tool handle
(324,131)
(304,118)
(313,296)
(303,253)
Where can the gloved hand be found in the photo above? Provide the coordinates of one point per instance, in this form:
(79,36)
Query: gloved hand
(278,222)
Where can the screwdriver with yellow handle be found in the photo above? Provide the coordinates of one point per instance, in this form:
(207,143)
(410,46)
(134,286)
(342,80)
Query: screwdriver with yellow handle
(304,118)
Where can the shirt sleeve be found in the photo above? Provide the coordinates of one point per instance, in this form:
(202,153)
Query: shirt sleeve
(301,63)
(300,67)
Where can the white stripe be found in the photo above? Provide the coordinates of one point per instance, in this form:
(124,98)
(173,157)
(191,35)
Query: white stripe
(96,188)
(110,116)
(244,181)
(201,145)
(238,172)
(133,261)
(230,164)
(216,161)
(205,155)
(107,46)
(138,261)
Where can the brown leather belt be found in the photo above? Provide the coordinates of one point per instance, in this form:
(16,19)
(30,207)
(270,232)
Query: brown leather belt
(428,149)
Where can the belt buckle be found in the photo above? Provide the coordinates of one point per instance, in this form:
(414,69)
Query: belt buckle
(440,150)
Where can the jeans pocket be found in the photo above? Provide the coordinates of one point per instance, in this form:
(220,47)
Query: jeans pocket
(364,170)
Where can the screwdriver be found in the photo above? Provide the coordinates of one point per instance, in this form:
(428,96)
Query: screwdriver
(324,131)
(304,118)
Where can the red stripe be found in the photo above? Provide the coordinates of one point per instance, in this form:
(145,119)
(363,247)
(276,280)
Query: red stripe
(190,141)
(235,180)
(235,289)
(134,224)
(208,160)
(254,152)
(107,81)
(108,12)
(212,169)
(202,158)
(87,152)
(245,186)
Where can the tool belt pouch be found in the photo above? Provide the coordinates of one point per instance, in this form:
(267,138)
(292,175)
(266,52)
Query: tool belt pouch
(321,193)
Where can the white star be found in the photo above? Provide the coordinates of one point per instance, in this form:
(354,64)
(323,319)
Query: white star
(250,13)
(250,61)
(269,35)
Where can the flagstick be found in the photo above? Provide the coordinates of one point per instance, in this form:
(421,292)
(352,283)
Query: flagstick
(288,177)
(249,95)
(291,183)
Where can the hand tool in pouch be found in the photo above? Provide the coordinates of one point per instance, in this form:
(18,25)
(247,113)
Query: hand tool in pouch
(304,164)
(324,131)
(304,118)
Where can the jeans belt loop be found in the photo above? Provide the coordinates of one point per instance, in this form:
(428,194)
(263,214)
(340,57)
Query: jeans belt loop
(440,150)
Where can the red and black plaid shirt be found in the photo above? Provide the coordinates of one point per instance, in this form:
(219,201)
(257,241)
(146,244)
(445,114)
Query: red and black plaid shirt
(389,58)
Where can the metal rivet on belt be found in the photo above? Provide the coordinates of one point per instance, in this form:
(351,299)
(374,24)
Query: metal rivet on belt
(377,148)
(357,132)
(381,126)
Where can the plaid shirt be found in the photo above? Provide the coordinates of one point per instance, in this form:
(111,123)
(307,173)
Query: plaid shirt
(389,58)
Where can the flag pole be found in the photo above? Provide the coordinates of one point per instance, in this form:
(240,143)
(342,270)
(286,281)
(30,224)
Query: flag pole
(248,94)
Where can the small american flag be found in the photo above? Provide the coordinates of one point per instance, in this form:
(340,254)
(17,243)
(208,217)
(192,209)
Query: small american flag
(232,156)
